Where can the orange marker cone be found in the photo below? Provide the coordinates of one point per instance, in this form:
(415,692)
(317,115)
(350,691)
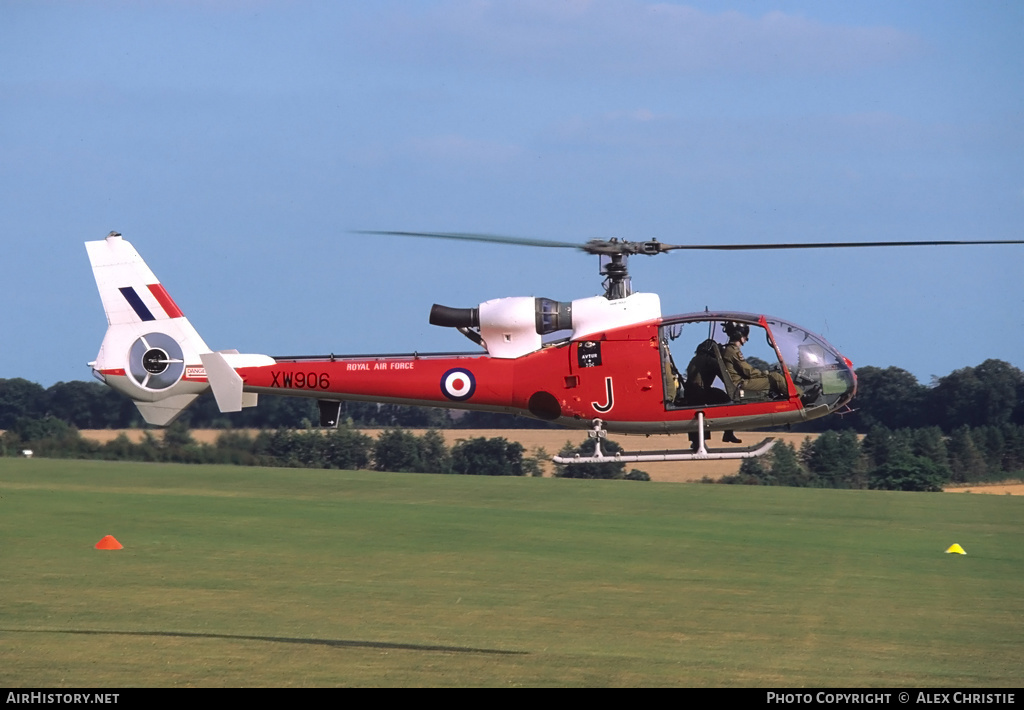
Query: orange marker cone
(109,542)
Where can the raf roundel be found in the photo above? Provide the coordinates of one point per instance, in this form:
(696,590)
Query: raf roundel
(458,384)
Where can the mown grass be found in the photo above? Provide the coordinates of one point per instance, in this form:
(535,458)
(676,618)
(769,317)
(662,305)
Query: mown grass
(250,577)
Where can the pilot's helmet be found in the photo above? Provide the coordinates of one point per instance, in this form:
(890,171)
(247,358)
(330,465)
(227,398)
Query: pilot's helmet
(736,330)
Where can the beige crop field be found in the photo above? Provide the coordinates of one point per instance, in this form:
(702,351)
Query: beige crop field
(998,489)
(551,440)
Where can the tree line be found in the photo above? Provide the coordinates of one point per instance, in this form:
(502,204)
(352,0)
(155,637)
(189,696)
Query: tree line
(395,449)
(921,459)
(92,405)
(343,448)
(989,394)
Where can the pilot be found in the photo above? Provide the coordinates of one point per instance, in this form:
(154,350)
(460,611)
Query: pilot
(743,375)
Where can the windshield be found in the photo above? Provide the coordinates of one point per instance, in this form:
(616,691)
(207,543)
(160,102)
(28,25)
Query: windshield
(812,362)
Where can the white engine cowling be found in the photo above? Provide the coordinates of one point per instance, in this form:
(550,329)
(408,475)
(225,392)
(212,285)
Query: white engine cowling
(509,326)
(513,327)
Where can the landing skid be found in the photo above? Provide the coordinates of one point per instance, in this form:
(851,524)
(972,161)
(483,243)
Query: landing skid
(700,453)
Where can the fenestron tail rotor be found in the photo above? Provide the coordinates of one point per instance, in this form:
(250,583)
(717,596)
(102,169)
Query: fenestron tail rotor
(614,252)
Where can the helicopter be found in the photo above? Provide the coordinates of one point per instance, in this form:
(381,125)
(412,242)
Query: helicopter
(604,363)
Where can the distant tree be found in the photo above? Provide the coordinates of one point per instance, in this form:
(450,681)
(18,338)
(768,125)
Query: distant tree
(371,414)
(361,413)
(10,444)
(345,448)
(881,445)
(992,443)
(29,429)
(929,443)
(610,469)
(272,412)
(433,453)
(835,460)
(274,447)
(1013,453)
(88,405)
(230,439)
(120,449)
(179,445)
(497,420)
(19,398)
(892,398)
(907,472)
(785,467)
(988,394)
(397,450)
(753,472)
(779,467)
(488,457)
(420,417)
(758,364)
(177,435)
(50,436)
(636,474)
(533,465)
(149,448)
(1018,412)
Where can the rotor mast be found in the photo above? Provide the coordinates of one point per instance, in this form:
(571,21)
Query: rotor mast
(617,283)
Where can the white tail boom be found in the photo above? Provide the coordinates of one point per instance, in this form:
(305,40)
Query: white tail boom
(151,352)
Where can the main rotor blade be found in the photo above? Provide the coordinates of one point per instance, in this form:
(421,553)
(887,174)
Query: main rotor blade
(833,245)
(477,238)
(651,247)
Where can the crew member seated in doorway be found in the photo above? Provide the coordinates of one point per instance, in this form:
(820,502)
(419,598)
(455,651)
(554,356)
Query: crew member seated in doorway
(700,374)
(744,376)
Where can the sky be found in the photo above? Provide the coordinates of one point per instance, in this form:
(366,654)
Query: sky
(239,144)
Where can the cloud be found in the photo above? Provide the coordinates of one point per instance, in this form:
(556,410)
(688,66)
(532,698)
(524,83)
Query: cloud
(448,149)
(461,149)
(631,37)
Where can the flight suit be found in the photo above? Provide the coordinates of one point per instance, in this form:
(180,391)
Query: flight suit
(700,374)
(749,378)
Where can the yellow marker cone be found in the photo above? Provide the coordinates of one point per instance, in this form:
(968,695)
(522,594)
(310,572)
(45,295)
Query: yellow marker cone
(956,549)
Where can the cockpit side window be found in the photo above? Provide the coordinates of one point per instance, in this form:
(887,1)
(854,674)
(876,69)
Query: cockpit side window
(718,369)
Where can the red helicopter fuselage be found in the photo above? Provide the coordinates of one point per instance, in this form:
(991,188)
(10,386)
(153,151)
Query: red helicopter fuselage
(621,376)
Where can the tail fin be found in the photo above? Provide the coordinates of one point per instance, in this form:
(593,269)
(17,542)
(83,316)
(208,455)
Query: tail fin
(151,352)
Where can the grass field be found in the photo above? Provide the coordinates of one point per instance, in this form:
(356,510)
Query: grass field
(250,577)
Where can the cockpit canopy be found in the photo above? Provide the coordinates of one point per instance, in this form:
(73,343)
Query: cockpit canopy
(775,360)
